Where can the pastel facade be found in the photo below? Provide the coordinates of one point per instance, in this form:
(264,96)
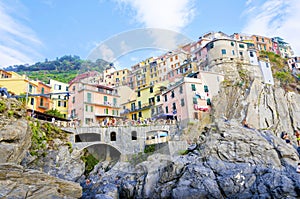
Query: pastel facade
(92,103)
(60,100)
(187,99)
(20,85)
(43,102)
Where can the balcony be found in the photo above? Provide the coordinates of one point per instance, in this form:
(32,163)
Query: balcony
(106,104)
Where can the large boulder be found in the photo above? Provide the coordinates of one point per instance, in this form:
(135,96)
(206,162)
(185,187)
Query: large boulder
(17,182)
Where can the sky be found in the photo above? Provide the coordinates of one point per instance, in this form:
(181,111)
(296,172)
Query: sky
(128,31)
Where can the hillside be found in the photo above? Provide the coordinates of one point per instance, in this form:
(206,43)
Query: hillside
(62,69)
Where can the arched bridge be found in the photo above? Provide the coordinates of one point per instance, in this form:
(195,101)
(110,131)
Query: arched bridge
(125,139)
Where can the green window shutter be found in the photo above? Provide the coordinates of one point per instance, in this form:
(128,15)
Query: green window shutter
(195,100)
(105,98)
(193,87)
(206,88)
(208,102)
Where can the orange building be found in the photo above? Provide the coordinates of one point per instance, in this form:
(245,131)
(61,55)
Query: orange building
(262,43)
(43,102)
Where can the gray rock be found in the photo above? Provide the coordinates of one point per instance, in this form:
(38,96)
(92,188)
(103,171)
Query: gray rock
(17,182)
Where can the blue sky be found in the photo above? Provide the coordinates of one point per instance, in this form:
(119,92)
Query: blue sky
(33,30)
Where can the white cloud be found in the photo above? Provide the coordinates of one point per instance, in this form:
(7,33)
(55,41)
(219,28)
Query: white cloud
(167,14)
(18,42)
(275,18)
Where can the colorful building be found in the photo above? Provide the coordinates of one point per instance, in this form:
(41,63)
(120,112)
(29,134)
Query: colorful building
(59,100)
(92,103)
(43,101)
(187,99)
(20,85)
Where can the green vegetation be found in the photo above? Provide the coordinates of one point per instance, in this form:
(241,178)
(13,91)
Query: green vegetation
(280,68)
(149,148)
(62,69)
(55,113)
(2,106)
(43,135)
(90,161)
(183,152)
(138,158)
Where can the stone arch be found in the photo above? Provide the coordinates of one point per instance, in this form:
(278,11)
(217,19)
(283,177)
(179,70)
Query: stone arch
(133,135)
(102,143)
(113,136)
(88,137)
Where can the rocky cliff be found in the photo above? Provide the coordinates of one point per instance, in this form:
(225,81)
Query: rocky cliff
(17,181)
(232,162)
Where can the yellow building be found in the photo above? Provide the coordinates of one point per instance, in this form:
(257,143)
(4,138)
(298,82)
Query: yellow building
(20,85)
(59,101)
(119,77)
(145,104)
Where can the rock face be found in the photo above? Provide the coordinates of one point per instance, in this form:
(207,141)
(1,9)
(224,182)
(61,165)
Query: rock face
(263,106)
(233,162)
(14,132)
(61,163)
(17,182)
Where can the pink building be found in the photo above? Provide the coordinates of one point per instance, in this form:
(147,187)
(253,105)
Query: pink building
(186,99)
(92,103)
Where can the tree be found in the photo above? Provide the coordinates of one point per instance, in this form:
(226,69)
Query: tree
(54,112)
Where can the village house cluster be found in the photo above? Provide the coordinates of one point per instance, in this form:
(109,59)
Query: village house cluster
(179,84)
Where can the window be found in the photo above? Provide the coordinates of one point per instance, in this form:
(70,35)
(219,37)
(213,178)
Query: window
(195,100)
(117,80)
(59,87)
(31,101)
(171,59)
(158,98)
(182,102)
(65,104)
(86,108)
(113,136)
(58,103)
(89,97)
(172,94)
(223,51)
(233,52)
(267,65)
(30,88)
(133,135)
(166,98)
(73,88)
(208,102)
(180,89)
(257,39)
(115,101)
(58,96)
(139,93)
(139,104)
(206,88)
(151,100)
(265,48)
(73,100)
(140,114)
(92,109)
(251,54)
(43,90)
(133,106)
(195,115)
(42,102)
(241,53)
(241,45)
(167,109)
(232,43)
(176,57)
(193,87)
(151,89)
(105,98)
(262,39)
(174,106)
(106,111)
